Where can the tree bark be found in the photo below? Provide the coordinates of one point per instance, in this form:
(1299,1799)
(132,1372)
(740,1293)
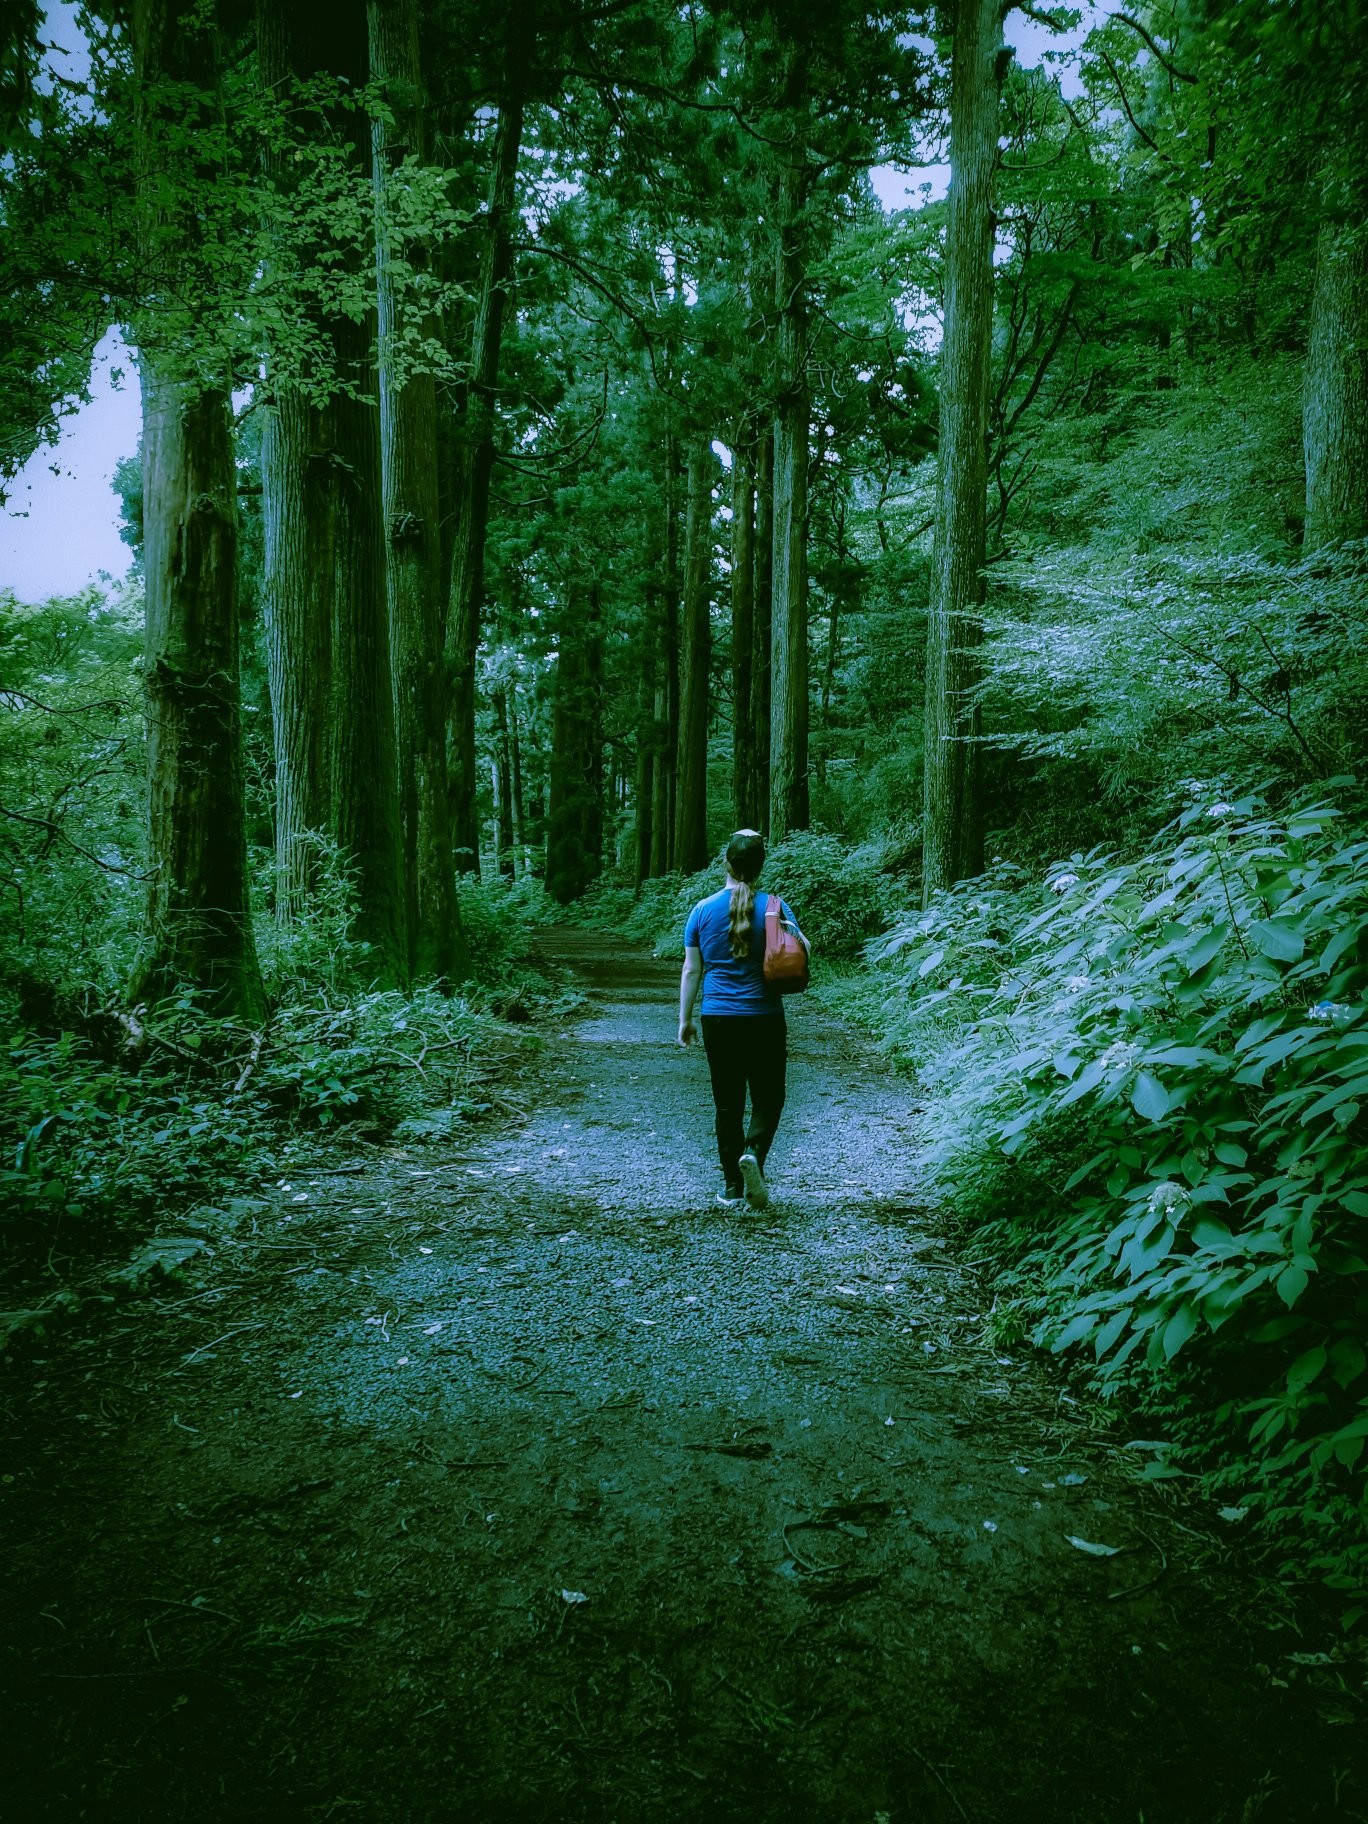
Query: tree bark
(644,783)
(475,454)
(763,624)
(788,793)
(327,615)
(667,700)
(695,659)
(197,928)
(516,781)
(297,582)
(299,565)
(952,826)
(408,453)
(503,781)
(1335,394)
(364,771)
(574,810)
(745,771)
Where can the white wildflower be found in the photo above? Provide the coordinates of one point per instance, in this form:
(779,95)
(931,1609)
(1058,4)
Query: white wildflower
(1170,1198)
(1333,1013)
(1120,1055)
(1077,983)
(1062,882)
(1220,810)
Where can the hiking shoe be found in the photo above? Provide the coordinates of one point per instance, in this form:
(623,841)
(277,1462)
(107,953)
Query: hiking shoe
(757,1191)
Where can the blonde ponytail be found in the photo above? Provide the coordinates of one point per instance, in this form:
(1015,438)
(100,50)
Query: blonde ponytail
(739,918)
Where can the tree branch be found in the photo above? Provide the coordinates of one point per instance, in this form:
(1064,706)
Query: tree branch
(1135,25)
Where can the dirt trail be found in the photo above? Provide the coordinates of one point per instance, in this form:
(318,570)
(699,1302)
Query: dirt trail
(513,1481)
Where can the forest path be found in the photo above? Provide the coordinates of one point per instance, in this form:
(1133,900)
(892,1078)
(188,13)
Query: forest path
(515,1481)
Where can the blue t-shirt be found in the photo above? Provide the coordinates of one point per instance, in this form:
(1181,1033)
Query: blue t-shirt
(733,984)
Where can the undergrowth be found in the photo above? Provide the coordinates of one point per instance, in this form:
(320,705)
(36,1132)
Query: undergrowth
(109,1118)
(1148,1085)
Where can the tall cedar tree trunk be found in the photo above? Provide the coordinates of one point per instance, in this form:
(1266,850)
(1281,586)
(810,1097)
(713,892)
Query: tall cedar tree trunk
(198,927)
(788,758)
(663,860)
(516,781)
(299,568)
(763,623)
(644,783)
(364,774)
(327,603)
(745,805)
(1335,395)
(503,777)
(574,811)
(408,460)
(952,825)
(475,451)
(695,660)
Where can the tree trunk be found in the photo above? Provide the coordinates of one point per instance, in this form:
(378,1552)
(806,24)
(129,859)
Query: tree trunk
(745,804)
(952,828)
(695,660)
(667,713)
(516,782)
(298,563)
(364,771)
(365,799)
(198,927)
(788,794)
(644,783)
(574,811)
(1335,394)
(763,624)
(408,449)
(297,582)
(475,455)
(327,606)
(503,782)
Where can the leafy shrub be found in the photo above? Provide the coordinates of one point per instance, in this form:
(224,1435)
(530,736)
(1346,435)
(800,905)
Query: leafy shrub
(840,894)
(84,1138)
(1154,1075)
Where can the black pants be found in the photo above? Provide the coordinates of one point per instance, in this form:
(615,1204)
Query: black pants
(745,1051)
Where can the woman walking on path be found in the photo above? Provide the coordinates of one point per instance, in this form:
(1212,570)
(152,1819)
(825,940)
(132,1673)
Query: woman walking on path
(744,1033)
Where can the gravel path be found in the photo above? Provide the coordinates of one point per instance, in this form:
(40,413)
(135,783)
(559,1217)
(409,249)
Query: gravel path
(514,1480)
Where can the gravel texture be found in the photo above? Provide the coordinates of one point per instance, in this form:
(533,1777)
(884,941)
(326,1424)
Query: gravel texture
(514,1480)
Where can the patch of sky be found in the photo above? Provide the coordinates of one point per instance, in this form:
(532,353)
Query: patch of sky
(59,529)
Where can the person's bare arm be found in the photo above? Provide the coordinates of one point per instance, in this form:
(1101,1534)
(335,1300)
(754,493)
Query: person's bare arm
(690,981)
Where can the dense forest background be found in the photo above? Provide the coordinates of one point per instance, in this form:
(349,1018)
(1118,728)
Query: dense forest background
(554,457)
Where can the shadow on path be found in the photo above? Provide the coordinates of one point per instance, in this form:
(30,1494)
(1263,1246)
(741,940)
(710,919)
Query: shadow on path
(513,1480)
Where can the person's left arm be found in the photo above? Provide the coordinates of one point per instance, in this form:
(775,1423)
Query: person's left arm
(690,981)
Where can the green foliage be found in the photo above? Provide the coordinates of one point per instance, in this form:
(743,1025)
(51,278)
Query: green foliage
(840,895)
(71,794)
(82,1138)
(1152,1077)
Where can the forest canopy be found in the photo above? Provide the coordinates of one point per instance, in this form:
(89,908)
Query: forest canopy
(554,456)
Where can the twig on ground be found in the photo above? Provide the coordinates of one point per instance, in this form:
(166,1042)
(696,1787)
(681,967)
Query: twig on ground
(251,1064)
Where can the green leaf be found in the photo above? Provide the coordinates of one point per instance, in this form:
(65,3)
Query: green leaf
(1292,1282)
(1178,1329)
(1149,1098)
(1279,938)
(1205,949)
(1088,1078)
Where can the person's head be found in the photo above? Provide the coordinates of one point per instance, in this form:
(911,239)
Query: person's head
(745,858)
